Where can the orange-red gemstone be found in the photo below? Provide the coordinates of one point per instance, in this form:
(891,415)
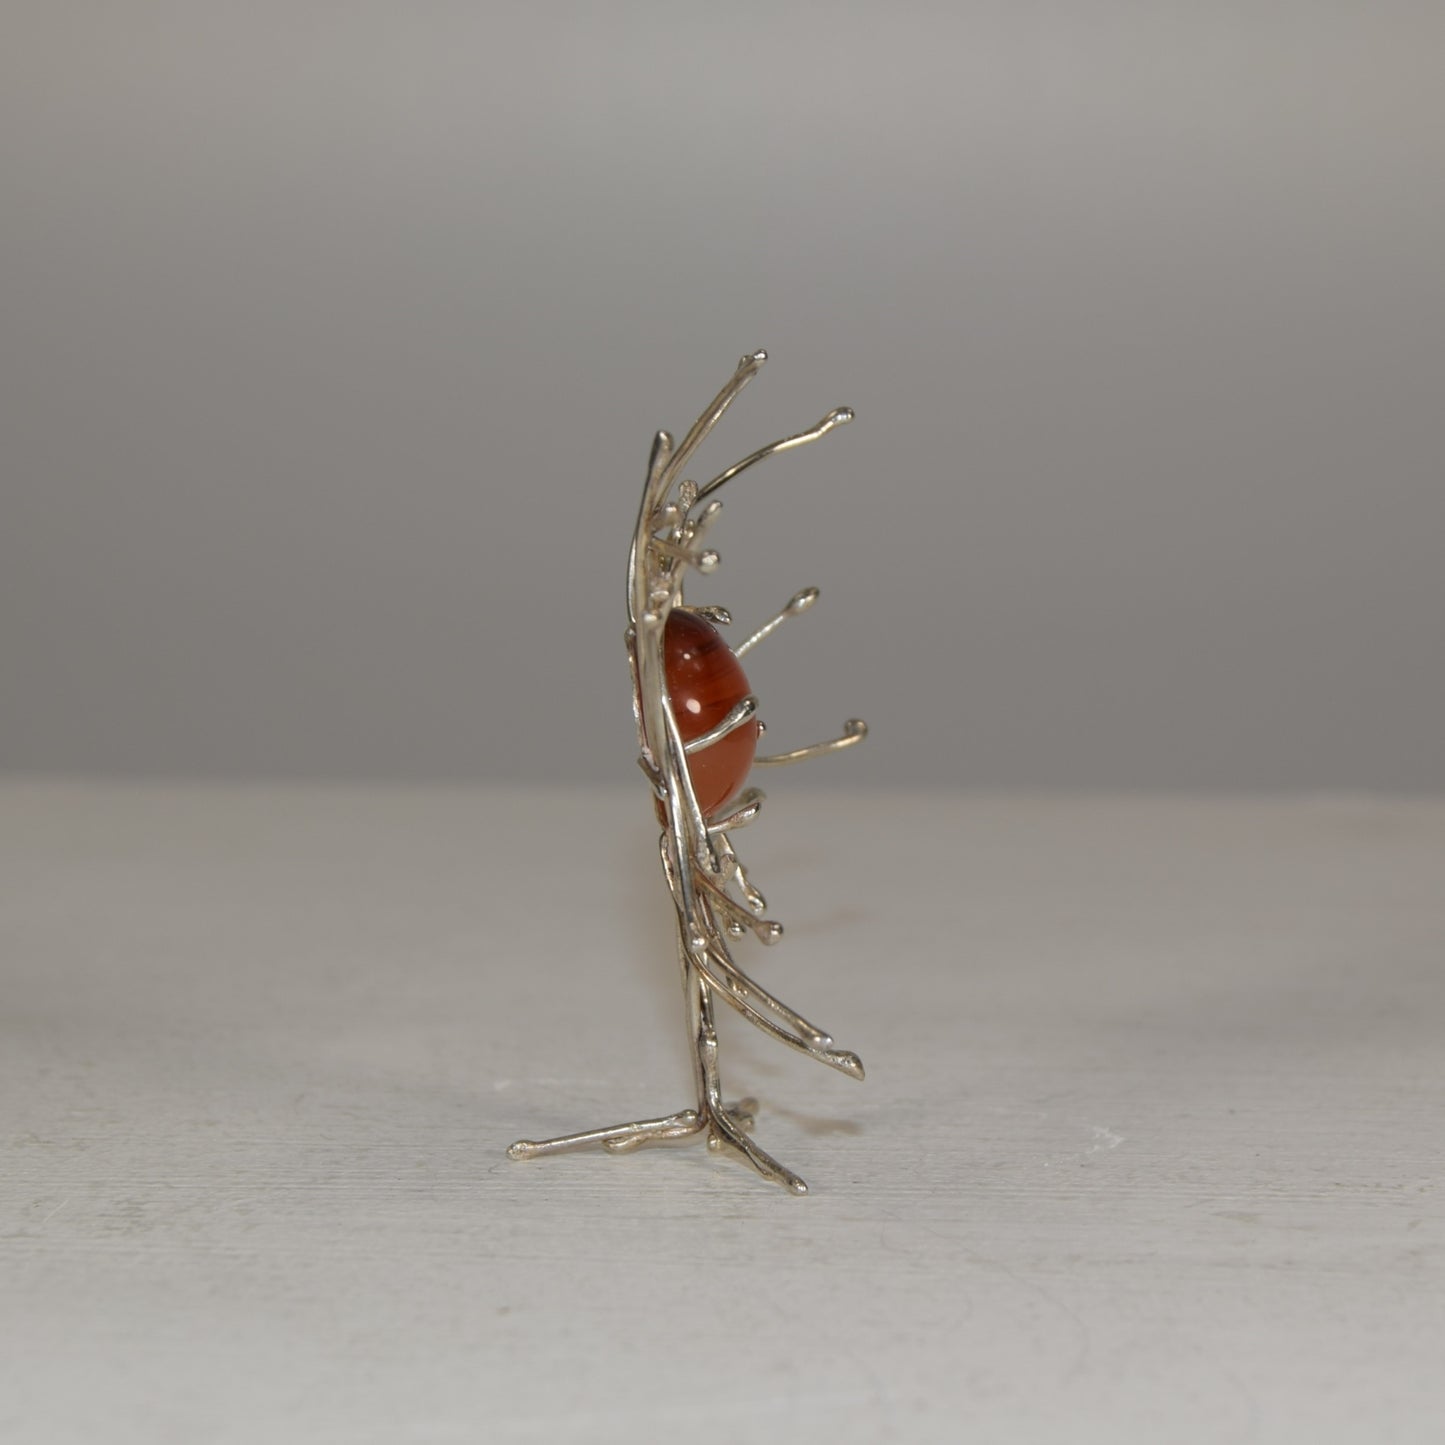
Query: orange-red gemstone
(705,682)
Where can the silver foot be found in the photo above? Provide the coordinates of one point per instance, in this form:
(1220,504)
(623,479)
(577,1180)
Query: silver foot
(616,1137)
(723,1133)
(724,1129)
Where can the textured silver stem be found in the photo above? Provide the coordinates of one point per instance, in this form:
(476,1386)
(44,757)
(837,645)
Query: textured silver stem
(674,1125)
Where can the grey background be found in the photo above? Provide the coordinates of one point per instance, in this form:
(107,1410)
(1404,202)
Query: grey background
(334,337)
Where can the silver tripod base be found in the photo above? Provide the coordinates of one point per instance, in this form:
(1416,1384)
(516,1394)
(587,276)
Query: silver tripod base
(725,1128)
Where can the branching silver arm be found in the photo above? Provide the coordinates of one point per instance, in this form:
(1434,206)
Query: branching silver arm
(689,827)
(739,920)
(746,806)
(704,561)
(854,731)
(840,1059)
(733,871)
(723,1129)
(653,493)
(747,368)
(722,959)
(741,713)
(718,616)
(839,416)
(798,602)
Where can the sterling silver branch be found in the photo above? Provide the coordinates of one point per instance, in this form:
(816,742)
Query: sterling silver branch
(712,896)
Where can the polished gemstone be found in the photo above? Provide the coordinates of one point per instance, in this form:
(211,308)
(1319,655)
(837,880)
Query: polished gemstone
(705,682)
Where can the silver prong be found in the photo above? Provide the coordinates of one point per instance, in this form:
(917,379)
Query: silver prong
(659,457)
(747,368)
(700,561)
(765,930)
(686,823)
(705,519)
(736,718)
(744,809)
(718,616)
(854,731)
(798,602)
(837,417)
(755,900)
(732,871)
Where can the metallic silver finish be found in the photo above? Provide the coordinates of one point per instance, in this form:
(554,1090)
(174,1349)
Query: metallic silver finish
(799,602)
(838,417)
(698,860)
(854,731)
(743,712)
(743,809)
(718,616)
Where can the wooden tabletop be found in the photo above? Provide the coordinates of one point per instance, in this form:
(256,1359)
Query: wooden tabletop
(1150,1147)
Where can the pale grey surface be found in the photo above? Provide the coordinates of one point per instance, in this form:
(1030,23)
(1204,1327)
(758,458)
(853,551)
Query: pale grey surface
(335,335)
(1149,1149)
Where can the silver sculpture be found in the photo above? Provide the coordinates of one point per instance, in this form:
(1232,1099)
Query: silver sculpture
(714,900)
